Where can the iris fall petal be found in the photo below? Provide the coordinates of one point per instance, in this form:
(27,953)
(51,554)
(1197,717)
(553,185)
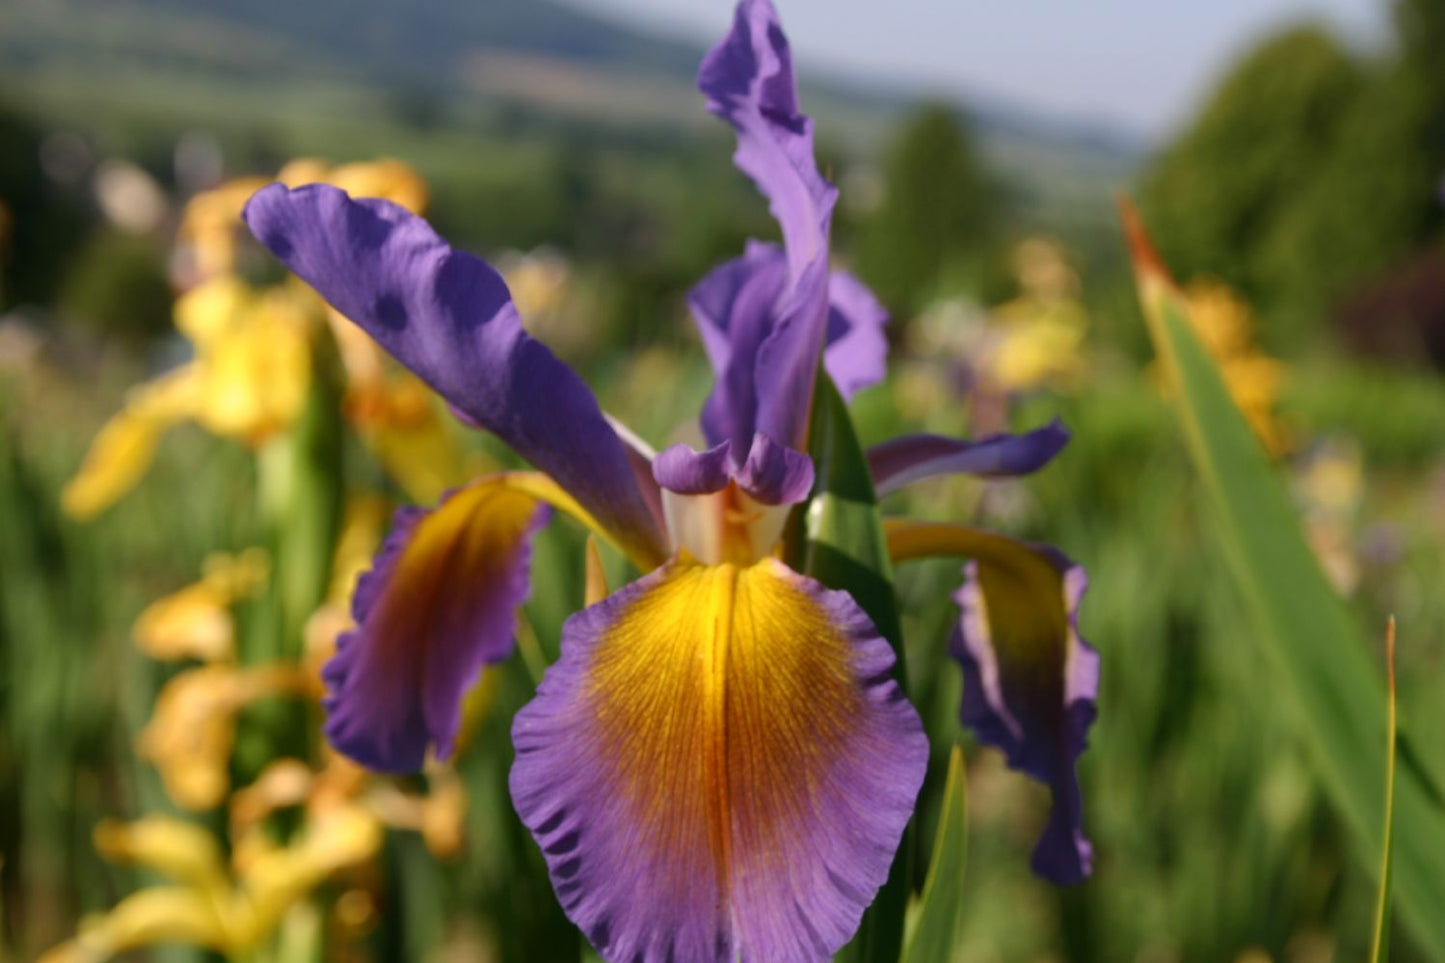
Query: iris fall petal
(1029,678)
(448,317)
(440,602)
(720,766)
(901,461)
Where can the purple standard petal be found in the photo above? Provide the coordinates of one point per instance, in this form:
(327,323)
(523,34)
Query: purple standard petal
(448,317)
(748,81)
(440,602)
(736,308)
(775,474)
(686,471)
(718,767)
(765,316)
(1030,681)
(908,459)
(771,473)
(856,356)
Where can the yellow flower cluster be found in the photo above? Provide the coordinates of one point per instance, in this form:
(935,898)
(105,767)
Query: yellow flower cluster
(1224,323)
(1040,334)
(346,810)
(254,351)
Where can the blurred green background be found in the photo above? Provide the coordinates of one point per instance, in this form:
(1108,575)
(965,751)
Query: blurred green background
(1308,182)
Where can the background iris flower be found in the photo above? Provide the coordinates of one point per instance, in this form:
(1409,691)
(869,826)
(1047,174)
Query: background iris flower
(720,764)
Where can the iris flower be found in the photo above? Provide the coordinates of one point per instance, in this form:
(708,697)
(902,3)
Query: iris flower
(720,764)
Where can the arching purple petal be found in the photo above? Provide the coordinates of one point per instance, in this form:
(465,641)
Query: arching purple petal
(448,317)
(440,602)
(775,474)
(748,81)
(775,342)
(1030,681)
(718,767)
(856,356)
(686,471)
(736,308)
(902,461)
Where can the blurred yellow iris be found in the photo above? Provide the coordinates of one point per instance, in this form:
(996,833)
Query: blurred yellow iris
(1224,323)
(254,353)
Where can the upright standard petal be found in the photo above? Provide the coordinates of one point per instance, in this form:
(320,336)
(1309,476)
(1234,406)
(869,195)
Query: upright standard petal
(902,461)
(856,356)
(776,334)
(440,602)
(735,308)
(748,81)
(448,317)
(1030,679)
(719,767)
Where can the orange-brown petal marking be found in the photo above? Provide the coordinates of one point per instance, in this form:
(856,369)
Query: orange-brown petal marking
(439,603)
(719,766)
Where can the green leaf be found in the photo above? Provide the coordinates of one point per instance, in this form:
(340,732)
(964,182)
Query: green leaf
(936,931)
(838,540)
(1380,946)
(1322,672)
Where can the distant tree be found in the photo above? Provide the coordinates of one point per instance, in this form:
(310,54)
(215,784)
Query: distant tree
(1420,27)
(1223,198)
(938,214)
(41,224)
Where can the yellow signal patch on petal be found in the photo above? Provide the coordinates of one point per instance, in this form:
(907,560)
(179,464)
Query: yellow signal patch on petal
(680,682)
(719,759)
(440,603)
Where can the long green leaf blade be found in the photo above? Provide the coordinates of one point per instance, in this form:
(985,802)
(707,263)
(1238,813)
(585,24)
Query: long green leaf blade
(936,931)
(839,541)
(1380,946)
(1323,673)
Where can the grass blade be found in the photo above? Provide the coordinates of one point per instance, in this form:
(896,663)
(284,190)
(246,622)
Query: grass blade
(1380,946)
(936,931)
(839,541)
(1321,668)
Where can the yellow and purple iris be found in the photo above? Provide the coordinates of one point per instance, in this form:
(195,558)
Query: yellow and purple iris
(720,764)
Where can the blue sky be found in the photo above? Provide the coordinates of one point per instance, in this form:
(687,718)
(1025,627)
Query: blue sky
(1137,64)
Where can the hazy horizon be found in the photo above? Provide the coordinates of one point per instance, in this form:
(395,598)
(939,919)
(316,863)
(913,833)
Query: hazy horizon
(1136,66)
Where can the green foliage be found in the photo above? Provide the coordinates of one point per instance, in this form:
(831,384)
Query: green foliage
(1321,669)
(1225,196)
(938,217)
(1380,943)
(116,289)
(39,225)
(1309,173)
(935,933)
(839,541)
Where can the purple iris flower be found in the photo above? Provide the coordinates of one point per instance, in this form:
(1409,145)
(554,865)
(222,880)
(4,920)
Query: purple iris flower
(719,765)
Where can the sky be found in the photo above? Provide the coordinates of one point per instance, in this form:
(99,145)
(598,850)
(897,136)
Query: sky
(1139,66)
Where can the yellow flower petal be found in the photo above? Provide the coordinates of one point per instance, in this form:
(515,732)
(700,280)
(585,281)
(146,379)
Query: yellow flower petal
(211,225)
(334,840)
(163,914)
(125,445)
(193,623)
(282,784)
(192,729)
(258,372)
(211,309)
(389,179)
(181,850)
